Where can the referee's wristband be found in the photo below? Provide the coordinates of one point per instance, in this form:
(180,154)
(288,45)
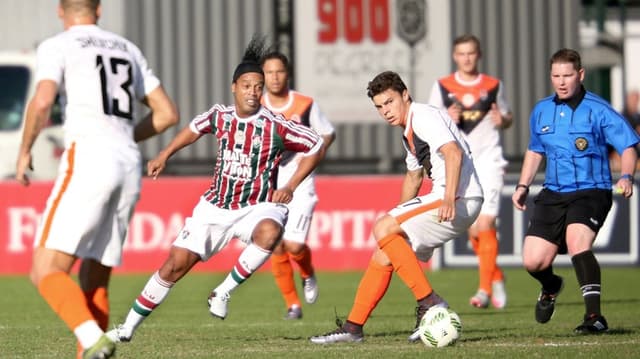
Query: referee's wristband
(627,177)
(520,185)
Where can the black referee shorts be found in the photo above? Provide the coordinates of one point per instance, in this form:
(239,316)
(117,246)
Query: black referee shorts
(554,211)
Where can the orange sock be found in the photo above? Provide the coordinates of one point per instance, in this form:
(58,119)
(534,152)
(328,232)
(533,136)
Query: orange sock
(406,264)
(373,286)
(304,262)
(487,254)
(66,299)
(474,244)
(498,276)
(283,274)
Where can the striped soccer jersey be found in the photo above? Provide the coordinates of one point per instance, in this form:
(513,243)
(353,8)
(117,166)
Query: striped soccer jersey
(249,152)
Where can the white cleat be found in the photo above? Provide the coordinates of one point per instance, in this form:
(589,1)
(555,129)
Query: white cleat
(120,334)
(480,299)
(310,287)
(337,336)
(499,295)
(218,304)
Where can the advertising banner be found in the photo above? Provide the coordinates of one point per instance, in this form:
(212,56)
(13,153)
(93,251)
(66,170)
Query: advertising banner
(340,235)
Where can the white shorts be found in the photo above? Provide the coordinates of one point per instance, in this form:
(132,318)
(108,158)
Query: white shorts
(210,228)
(92,200)
(492,180)
(418,218)
(300,214)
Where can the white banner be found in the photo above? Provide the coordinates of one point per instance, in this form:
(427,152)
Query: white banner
(340,45)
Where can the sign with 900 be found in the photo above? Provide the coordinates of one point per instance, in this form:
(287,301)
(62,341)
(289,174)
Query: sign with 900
(353,21)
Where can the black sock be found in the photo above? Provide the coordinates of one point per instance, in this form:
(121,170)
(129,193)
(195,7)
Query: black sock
(588,274)
(352,327)
(430,300)
(550,282)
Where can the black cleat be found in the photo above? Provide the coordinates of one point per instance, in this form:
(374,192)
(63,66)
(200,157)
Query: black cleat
(546,303)
(593,324)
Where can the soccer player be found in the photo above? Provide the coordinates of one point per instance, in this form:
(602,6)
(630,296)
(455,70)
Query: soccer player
(419,224)
(242,202)
(571,130)
(301,109)
(476,103)
(101,78)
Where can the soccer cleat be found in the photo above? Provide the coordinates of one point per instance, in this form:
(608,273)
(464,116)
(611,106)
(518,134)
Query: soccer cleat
(104,348)
(337,336)
(593,324)
(218,304)
(546,303)
(294,312)
(498,295)
(310,287)
(120,334)
(480,299)
(420,311)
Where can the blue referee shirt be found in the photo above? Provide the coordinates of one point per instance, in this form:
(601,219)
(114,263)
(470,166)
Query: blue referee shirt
(573,135)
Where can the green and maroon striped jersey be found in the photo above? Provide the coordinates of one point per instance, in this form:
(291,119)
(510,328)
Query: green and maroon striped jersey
(249,152)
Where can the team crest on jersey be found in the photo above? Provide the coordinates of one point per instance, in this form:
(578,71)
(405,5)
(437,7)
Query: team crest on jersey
(259,122)
(581,143)
(227,117)
(256,141)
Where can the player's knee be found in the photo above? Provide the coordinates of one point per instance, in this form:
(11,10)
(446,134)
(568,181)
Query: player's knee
(267,234)
(294,248)
(384,226)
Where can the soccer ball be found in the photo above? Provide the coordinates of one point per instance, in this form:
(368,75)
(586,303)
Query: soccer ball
(440,327)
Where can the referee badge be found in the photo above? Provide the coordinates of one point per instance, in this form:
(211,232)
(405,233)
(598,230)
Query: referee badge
(581,143)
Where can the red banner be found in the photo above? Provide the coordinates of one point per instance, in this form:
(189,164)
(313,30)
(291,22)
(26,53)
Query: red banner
(340,235)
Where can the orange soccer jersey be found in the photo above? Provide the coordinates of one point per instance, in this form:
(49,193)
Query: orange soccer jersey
(475,99)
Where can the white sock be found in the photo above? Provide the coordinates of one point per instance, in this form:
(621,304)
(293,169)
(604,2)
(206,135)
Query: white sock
(251,258)
(88,333)
(153,293)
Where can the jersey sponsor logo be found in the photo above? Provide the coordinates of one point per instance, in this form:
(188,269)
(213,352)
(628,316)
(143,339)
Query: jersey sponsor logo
(237,165)
(259,123)
(238,137)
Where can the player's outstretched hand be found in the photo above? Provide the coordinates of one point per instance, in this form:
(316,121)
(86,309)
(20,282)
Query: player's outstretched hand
(155,166)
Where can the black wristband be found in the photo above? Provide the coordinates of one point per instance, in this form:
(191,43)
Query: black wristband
(627,177)
(520,185)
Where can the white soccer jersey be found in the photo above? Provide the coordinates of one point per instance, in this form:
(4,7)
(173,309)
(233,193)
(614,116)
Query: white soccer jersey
(476,97)
(427,129)
(104,76)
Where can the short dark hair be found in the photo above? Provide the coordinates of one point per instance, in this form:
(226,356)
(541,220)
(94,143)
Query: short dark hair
(251,58)
(384,81)
(462,39)
(275,55)
(566,56)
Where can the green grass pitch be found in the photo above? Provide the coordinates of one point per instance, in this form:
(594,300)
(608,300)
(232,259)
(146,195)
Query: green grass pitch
(182,327)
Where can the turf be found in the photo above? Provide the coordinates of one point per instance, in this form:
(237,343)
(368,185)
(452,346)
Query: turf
(182,327)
